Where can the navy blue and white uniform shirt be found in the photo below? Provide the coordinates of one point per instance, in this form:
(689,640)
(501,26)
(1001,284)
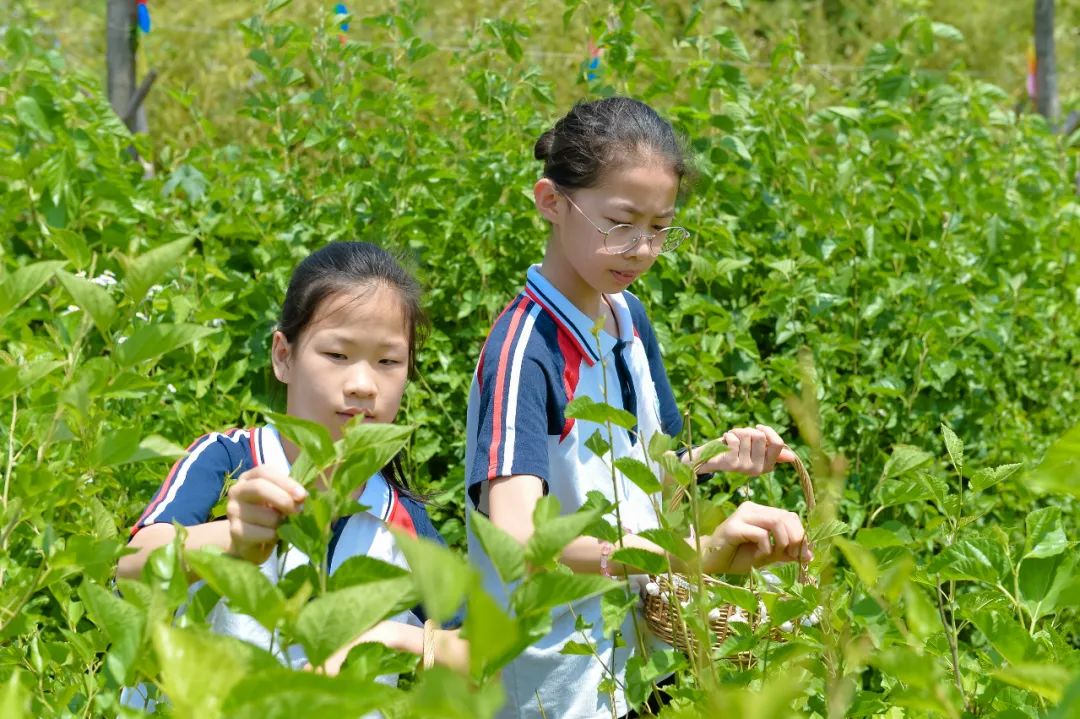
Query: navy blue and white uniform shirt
(540,354)
(197,481)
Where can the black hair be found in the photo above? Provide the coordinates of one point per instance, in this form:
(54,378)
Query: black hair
(345,267)
(601,135)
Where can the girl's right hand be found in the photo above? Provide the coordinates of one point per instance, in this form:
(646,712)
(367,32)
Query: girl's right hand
(258,503)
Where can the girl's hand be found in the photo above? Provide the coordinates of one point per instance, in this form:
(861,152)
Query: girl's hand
(451,650)
(753,536)
(751,451)
(258,503)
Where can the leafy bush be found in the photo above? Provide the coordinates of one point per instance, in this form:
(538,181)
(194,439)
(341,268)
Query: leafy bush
(877,278)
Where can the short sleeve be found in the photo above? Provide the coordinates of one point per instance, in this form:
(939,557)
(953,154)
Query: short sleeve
(195,483)
(510,404)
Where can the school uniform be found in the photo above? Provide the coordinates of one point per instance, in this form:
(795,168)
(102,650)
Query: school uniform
(540,354)
(196,483)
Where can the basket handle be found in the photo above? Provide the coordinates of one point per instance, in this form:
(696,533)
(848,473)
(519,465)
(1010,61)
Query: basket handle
(800,470)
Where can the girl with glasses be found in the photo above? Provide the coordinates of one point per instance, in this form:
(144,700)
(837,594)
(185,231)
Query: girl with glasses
(612,173)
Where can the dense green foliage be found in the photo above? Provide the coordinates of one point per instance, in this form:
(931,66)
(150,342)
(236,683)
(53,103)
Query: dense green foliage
(890,279)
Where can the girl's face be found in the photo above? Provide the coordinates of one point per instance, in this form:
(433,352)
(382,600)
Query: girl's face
(640,194)
(350,361)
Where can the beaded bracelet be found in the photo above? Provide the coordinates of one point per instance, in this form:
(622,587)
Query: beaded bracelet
(606,549)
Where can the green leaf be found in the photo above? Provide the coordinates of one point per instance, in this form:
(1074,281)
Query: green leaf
(329,622)
(283,694)
(272,6)
(247,589)
(441,576)
(1046,680)
(985,478)
(442,693)
(971,559)
(903,459)
(494,638)
(18,286)
(1045,533)
(195,684)
(542,592)
(671,543)
(551,534)
(155,447)
(93,300)
(589,410)
(29,114)
(312,438)
(505,553)
(150,267)
(364,450)
(731,42)
(361,569)
(643,559)
(152,341)
(1059,472)
(639,473)
(861,560)
(955,448)
(123,623)
(15,698)
(947,32)
(597,444)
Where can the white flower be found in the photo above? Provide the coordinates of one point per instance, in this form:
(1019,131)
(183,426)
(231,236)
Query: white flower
(81,274)
(786,627)
(154,289)
(763,611)
(652,589)
(812,619)
(714,614)
(121,340)
(771,580)
(105,279)
(69,310)
(737,616)
(171,388)
(664,597)
(142,317)
(217,322)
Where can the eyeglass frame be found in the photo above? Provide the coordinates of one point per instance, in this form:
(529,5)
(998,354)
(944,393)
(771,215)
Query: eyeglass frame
(637,240)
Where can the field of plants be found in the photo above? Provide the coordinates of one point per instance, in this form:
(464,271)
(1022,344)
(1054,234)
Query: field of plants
(883,266)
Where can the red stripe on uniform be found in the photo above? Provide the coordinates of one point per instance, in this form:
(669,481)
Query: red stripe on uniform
(169,479)
(483,350)
(572,357)
(399,516)
(500,385)
(562,326)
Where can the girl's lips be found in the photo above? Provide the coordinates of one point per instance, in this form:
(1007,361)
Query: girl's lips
(624,277)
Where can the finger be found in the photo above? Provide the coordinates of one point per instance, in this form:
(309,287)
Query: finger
(262,492)
(758,448)
(781,537)
(745,443)
(257,514)
(275,476)
(787,455)
(774,446)
(252,534)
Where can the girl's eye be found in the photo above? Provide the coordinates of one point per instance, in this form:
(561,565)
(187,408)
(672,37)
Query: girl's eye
(334,355)
(390,362)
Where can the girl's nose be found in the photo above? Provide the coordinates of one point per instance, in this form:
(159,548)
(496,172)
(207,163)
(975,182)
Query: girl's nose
(361,381)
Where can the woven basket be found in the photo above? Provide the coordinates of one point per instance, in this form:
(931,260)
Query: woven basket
(664,611)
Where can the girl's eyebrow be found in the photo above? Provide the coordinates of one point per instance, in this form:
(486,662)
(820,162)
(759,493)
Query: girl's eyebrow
(630,207)
(352,339)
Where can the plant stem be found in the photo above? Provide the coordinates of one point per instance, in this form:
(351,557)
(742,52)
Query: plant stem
(950,633)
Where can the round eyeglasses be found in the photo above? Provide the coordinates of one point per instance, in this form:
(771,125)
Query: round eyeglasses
(622,238)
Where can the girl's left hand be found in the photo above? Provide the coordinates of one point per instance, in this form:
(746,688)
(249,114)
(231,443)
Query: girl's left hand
(751,451)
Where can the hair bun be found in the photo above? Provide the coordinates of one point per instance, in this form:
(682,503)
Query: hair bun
(543,147)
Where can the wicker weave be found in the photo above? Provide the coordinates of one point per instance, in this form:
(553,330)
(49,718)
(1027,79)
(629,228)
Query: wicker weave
(663,612)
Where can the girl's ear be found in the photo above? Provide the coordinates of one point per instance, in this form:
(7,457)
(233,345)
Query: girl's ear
(547,199)
(280,355)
